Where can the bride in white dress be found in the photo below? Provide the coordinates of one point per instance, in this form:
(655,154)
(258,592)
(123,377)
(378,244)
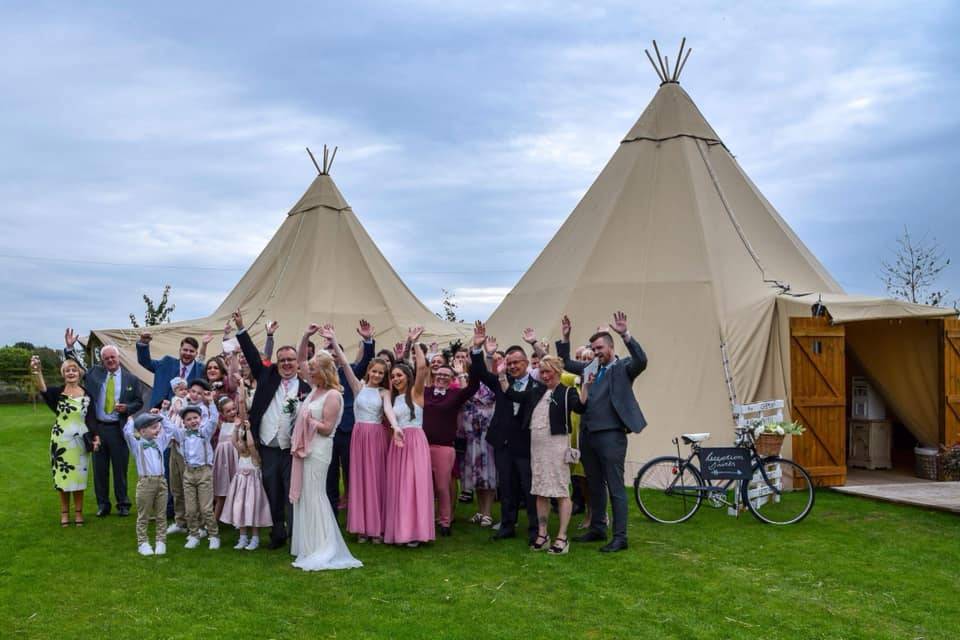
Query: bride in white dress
(317,542)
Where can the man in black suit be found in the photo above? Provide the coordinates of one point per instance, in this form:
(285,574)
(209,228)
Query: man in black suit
(116,394)
(275,403)
(612,411)
(510,441)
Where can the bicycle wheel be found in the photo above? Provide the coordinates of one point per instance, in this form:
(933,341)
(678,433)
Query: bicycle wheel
(667,490)
(785,497)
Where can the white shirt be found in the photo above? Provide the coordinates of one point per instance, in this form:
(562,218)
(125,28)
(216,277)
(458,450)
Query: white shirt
(149,459)
(195,446)
(276,424)
(102,416)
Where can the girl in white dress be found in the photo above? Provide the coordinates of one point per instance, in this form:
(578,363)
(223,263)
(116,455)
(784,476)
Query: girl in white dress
(317,543)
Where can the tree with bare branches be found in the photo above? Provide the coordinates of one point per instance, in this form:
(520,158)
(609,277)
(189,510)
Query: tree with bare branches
(913,273)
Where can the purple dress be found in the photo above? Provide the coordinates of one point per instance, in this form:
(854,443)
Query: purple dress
(479,469)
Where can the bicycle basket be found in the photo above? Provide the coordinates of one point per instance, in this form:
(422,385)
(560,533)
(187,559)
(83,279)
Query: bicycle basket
(725,463)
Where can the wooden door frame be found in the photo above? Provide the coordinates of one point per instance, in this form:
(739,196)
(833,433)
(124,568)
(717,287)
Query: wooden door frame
(949,431)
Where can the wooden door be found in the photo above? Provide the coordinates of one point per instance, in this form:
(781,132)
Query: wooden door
(818,398)
(951,382)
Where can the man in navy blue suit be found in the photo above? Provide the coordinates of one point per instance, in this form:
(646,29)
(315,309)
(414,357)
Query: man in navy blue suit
(186,366)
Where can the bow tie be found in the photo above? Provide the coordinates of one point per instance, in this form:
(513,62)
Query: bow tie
(150,444)
(439,392)
(193,433)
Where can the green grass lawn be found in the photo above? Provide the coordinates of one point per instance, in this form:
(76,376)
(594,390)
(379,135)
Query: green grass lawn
(852,569)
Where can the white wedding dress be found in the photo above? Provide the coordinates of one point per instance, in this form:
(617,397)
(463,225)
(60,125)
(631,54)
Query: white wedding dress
(317,542)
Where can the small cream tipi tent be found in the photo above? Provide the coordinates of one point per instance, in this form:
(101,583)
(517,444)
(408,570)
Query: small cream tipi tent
(320,266)
(674,233)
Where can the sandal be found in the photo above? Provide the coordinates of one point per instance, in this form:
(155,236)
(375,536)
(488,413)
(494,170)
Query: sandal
(486,521)
(78,518)
(557,549)
(476,518)
(65,518)
(538,545)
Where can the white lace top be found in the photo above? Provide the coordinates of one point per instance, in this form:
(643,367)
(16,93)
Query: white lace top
(404,419)
(368,405)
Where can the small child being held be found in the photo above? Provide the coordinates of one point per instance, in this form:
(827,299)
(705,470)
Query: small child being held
(194,440)
(147,442)
(246,502)
(179,400)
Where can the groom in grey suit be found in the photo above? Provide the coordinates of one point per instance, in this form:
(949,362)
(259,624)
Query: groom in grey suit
(612,412)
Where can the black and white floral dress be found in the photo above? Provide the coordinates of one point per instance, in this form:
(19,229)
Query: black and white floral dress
(68,455)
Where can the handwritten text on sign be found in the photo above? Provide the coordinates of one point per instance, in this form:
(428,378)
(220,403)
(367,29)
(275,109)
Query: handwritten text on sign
(725,462)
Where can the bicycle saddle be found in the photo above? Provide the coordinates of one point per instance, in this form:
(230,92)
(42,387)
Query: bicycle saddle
(690,438)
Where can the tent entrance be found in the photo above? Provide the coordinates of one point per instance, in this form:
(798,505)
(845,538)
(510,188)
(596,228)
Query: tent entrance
(818,397)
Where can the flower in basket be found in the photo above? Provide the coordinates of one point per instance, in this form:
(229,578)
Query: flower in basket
(783,428)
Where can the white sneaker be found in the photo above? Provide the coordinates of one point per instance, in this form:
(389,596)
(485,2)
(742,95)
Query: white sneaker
(496,527)
(192,542)
(201,534)
(175,528)
(214,542)
(145,549)
(254,543)
(241,543)
(160,549)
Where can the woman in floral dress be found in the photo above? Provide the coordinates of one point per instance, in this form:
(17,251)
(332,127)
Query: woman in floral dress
(69,457)
(479,473)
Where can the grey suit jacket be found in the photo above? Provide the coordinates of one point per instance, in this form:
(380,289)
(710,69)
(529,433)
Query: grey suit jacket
(131,393)
(622,372)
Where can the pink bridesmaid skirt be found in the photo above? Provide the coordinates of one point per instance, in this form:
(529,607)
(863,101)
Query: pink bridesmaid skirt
(368,476)
(246,504)
(224,466)
(409,493)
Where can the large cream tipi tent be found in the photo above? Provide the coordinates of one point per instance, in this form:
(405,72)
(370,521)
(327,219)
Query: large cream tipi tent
(674,233)
(320,266)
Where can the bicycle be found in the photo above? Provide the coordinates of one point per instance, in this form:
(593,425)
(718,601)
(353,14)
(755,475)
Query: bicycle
(776,490)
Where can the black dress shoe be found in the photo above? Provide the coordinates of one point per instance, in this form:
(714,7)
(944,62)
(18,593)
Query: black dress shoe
(591,536)
(577,510)
(617,544)
(445,531)
(123,511)
(503,534)
(103,511)
(277,544)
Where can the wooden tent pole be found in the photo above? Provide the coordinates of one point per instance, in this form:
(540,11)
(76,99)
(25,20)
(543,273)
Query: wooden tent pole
(680,70)
(654,65)
(676,69)
(325,154)
(660,60)
(332,156)
(310,153)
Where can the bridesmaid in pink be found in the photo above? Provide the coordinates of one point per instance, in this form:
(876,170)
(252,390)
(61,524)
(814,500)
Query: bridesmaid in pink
(368,445)
(409,513)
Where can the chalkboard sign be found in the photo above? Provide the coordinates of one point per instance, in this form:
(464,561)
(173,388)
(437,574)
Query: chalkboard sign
(718,463)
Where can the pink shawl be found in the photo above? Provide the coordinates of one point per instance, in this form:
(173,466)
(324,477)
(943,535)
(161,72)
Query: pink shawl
(304,429)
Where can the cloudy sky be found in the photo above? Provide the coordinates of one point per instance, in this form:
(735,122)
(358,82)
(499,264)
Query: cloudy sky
(157,143)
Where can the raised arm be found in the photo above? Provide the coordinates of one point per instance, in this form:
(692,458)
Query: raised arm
(204,343)
(563,348)
(478,367)
(421,361)
(355,385)
(37,372)
(638,359)
(272,327)
(249,349)
(530,337)
(304,349)
(143,353)
(365,331)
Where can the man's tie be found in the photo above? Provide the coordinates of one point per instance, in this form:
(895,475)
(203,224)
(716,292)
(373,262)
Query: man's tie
(286,385)
(183,370)
(603,370)
(109,402)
